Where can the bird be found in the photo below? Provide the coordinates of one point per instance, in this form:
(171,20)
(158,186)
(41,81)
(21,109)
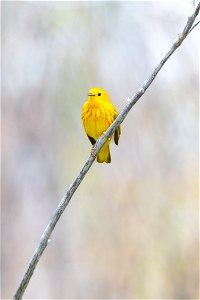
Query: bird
(98,113)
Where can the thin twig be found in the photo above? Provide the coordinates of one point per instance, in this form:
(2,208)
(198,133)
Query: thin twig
(194,26)
(100,142)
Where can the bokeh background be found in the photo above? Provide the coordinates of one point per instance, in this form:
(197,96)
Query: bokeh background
(131,229)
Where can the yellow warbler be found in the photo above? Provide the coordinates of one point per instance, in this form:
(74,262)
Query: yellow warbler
(98,113)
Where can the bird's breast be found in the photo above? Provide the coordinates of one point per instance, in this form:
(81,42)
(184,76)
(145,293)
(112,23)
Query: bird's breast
(96,119)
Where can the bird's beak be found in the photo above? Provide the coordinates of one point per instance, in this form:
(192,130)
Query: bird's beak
(90,94)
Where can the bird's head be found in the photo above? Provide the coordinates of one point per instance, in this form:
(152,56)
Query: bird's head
(98,94)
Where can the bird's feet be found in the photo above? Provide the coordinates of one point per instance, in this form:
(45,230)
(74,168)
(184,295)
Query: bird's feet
(103,134)
(92,151)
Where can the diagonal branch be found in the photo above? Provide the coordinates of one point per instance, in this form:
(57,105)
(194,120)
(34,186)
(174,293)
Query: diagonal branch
(100,142)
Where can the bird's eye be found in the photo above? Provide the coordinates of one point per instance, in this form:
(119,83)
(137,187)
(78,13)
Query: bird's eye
(99,94)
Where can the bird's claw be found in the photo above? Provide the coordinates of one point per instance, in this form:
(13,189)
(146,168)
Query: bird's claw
(92,151)
(103,134)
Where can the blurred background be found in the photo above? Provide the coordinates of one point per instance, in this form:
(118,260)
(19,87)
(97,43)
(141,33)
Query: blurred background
(131,228)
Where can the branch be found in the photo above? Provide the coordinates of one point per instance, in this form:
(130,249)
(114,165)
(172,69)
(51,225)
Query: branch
(194,26)
(100,142)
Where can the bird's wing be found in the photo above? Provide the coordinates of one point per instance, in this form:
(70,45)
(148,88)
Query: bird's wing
(92,140)
(117,131)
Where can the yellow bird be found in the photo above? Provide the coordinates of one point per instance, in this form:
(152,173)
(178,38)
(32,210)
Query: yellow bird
(98,113)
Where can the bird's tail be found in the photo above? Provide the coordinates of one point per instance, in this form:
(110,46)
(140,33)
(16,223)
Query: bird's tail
(104,154)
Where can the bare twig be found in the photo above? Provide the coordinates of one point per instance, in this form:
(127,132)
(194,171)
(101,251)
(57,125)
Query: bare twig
(192,3)
(194,26)
(100,142)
